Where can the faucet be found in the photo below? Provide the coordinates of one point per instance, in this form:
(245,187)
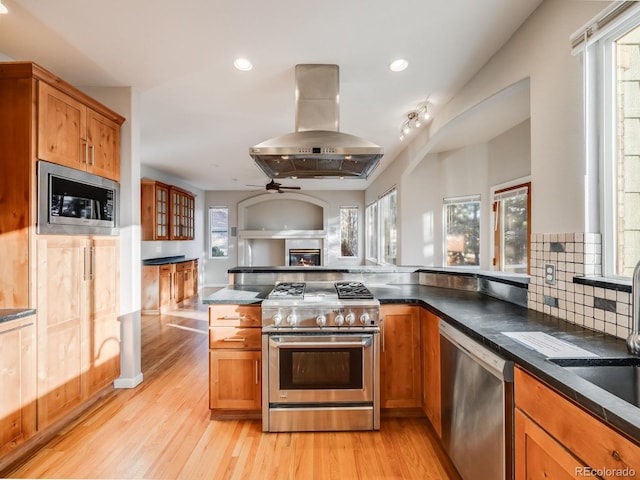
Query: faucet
(633,340)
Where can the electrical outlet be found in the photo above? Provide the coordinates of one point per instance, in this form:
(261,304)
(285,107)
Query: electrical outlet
(549,273)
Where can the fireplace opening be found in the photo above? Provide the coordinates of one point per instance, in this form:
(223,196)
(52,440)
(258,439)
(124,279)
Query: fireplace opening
(304,257)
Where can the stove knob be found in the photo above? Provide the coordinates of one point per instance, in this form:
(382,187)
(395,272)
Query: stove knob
(292,319)
(277,319)
(339,320)
(321,320)
(351,318)
(364,318)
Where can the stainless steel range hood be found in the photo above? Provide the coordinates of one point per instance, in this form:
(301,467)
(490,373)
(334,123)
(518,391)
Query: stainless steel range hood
(317,149)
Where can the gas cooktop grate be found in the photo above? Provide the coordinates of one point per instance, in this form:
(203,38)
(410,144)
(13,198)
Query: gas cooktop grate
(288,290)
(353,290)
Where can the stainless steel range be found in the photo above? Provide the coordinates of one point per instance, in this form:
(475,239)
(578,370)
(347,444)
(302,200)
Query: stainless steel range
(320,358)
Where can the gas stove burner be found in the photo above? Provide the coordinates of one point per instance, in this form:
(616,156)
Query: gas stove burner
(352,290)
(288,290)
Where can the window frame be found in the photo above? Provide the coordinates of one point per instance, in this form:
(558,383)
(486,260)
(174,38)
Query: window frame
(600,100)
(210,211)
(476,198)
(497,254)
(356,233)
(378,233)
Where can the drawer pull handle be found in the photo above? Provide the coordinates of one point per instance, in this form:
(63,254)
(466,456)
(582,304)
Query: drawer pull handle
(616,455)
(240,317)
(234,339)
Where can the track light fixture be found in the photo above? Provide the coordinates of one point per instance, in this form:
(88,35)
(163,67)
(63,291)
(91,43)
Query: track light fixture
(415,119)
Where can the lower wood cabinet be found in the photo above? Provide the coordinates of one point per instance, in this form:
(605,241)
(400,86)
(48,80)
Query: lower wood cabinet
(17,382)
(78,329)
(431,369)
(164,286)
(557,439)
(400,358)
(235,360)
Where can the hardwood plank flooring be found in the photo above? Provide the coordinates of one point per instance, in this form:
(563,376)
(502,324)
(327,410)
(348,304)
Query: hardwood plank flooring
(162,429)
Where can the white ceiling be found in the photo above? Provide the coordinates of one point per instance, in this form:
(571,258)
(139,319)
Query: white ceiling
(199,115)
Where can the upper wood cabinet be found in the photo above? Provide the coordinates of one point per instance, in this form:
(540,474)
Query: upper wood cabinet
(167,212)
(71,133)
(154,212)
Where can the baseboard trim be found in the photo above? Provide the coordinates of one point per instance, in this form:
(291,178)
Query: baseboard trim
(128,382)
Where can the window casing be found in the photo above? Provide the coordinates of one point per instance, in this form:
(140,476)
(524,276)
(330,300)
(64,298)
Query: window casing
(512,228)
(218,232)
(611,60)
(382,229)
(461,221)
(348,231)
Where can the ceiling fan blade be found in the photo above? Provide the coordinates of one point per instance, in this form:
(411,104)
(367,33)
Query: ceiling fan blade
(290,188)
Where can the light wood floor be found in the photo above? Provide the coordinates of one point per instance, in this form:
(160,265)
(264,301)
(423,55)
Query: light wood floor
(162,429)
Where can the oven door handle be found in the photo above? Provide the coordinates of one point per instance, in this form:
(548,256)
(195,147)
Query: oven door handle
(365,342)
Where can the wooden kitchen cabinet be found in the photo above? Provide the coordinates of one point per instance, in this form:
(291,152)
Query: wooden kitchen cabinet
(555,438)
(78,329)
(401,360)
(235,360)
(431,369)
(182,214)
(73,134)
(154,213)
(164,286)
(167,212)
(17,382)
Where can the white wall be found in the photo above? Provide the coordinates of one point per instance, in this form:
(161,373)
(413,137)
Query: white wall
(538,51)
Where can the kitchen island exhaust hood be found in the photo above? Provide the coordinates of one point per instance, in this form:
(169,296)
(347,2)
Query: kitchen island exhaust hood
(317,149)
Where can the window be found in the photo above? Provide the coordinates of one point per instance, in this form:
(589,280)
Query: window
(611,49)
(349,231)
(372,232)
(512,223)
(462,231)
(219,231)
(388,227)
(382,231)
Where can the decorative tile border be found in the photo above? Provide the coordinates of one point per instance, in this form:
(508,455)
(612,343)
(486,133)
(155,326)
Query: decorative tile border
(576,254)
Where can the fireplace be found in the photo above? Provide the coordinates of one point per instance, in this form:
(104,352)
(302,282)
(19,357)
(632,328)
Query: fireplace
(304,257)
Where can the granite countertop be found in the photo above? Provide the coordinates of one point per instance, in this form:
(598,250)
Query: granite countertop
(485,318)
(166,260)
(8,314)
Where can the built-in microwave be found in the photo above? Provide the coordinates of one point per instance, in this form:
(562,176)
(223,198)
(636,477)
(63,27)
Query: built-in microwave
(73,202)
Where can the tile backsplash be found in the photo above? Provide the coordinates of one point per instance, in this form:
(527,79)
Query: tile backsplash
(576,255)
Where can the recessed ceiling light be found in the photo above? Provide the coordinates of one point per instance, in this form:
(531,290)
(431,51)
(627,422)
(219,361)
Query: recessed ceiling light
(242,64)
(398,65)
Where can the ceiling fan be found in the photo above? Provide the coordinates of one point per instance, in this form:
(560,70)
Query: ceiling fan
(273,187)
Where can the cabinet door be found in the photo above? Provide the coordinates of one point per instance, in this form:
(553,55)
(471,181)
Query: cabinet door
(102,310)
(62,126)
(400,365)
(61,330)
(176,214)
(17,382)
(179,285)
(235,379)
(539,456)
(103,136)
(162,212)
(431,369)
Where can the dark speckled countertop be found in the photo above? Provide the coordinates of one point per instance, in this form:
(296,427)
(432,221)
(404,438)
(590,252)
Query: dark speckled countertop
(166,260)
(8,314)
(485,318)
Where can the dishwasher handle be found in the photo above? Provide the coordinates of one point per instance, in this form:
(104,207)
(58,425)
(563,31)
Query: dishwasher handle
(494,364)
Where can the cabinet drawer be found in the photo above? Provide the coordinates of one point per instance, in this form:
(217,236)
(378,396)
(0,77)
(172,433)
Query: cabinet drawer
(166,268)
(235,316)
(586,437)
(184,266)
(235,337)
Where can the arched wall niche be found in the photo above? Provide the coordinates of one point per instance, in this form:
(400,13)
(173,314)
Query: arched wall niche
(270,222)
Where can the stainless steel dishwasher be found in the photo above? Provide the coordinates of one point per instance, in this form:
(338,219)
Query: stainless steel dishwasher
(477,407)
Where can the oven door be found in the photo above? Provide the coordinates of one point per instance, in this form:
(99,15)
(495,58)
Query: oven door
(328,369)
